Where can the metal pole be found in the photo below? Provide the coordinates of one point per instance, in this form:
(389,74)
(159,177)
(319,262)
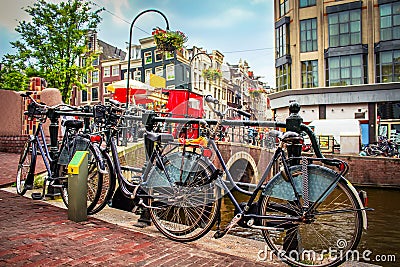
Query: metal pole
(130,44)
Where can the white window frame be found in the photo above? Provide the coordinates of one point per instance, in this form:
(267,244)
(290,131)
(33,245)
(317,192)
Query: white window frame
(170,72)
(115,70)
(95,78)
(106,72)
(148,58)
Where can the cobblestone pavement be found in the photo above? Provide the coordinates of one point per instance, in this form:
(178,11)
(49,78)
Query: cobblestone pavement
(34,233)
(8,168)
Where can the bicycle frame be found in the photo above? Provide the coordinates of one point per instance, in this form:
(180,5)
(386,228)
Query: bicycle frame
(279,153)
(123,182)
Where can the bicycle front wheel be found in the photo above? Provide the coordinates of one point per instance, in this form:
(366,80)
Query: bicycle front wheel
(186,209)
(326,234)
(26,169)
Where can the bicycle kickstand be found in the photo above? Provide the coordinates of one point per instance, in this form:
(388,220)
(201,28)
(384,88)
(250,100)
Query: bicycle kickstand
(234,221)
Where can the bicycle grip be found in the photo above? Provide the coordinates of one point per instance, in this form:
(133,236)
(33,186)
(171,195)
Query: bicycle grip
(211,99)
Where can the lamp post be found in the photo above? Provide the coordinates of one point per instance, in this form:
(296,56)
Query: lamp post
(130,44)
(145,216)
(191,83)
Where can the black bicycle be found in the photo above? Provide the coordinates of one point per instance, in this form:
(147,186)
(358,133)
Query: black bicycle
(309,214)
(56,158)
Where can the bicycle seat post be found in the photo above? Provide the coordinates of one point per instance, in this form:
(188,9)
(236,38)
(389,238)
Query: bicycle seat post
(53,130)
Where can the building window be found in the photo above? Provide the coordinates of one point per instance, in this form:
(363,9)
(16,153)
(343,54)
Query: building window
(105,87)
(159,56)
(388,66)
(95,76)
(85,78)
(346,70)
(390,21)
(95,61)
(95,94)
(309,74)
(344,28)
(170,72)
(283,77)
(282,40)
(283,7)
(148,59)
(169,55)
(147,75)
(115,70)
(137,75)
(159,71)
(308,35)
(306,3)
(106,72)
(84,96)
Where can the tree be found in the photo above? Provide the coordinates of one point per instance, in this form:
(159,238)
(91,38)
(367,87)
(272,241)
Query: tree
(52,43)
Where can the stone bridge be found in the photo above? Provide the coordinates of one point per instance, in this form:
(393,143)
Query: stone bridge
(245,162)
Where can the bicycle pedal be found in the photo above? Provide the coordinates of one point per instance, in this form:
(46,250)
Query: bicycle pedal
(36,196)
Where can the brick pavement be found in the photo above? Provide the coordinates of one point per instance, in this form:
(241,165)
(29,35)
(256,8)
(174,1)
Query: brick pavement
(35,233)
(8,168)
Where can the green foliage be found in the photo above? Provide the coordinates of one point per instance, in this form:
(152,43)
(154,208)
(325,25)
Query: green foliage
(51,44)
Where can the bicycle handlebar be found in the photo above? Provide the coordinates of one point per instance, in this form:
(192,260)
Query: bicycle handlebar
(42,105)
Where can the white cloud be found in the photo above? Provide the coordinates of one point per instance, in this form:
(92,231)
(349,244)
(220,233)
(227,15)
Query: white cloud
(117,8)
(12,11)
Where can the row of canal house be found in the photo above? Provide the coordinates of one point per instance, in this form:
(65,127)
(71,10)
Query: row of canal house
(181,70)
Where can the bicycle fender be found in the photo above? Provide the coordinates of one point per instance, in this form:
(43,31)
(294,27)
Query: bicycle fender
(363,212)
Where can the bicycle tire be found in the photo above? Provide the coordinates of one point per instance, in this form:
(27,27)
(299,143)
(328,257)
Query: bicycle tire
(308,243)
(187,210)
(26,165)
(108,185)
(94,181)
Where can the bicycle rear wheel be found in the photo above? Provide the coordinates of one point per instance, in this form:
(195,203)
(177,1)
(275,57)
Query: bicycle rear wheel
(187,209)
(94,181)
(25,169)
(325,237)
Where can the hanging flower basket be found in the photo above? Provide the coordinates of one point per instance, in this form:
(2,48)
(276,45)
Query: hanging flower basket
(255,92)
(168,40)
(212,74)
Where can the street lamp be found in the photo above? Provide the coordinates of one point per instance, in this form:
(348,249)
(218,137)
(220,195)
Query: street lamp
(130,44)
(191,83)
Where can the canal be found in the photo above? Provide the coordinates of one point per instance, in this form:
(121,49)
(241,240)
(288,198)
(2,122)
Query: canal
(382,237)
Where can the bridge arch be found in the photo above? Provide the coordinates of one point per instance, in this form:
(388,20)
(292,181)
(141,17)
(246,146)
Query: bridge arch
(242,164)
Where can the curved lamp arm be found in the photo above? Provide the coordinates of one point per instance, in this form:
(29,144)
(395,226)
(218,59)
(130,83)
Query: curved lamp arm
(130,44)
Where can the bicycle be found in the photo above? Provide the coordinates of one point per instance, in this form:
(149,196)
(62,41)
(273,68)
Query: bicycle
(57,157)
(304,212)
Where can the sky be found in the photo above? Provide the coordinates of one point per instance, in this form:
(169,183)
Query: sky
(240,29)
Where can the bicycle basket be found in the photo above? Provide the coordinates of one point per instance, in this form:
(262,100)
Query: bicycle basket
(34,111)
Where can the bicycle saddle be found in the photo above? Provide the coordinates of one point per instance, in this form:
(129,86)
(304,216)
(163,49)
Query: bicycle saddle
(291,137)
(159,137)
(76,124)
(287,137)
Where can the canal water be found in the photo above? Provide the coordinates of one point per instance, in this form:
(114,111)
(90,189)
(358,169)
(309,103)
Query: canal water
(382,237)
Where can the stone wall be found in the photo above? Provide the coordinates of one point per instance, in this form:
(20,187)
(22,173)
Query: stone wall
(12,138)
